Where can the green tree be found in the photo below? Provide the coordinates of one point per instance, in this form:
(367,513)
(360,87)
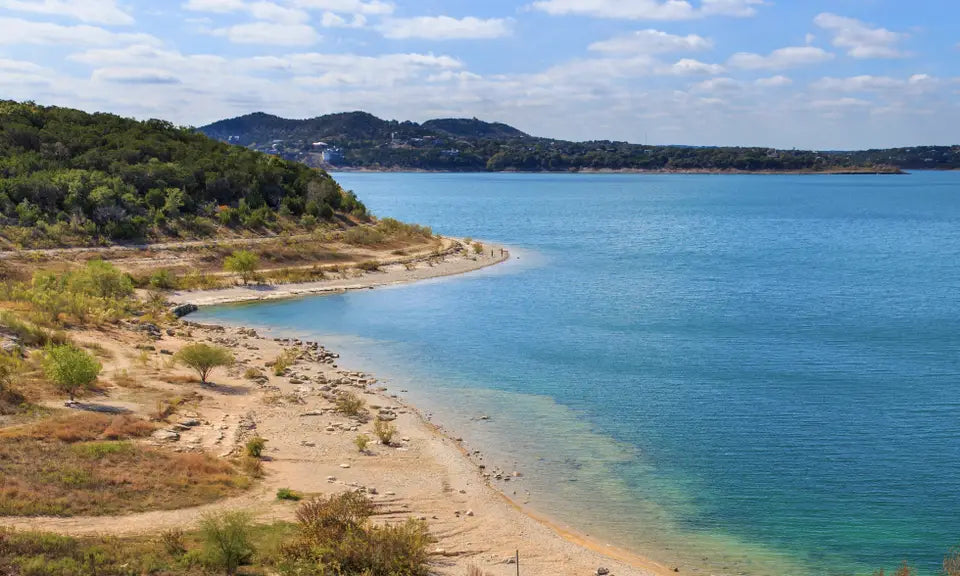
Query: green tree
(244,263)
(226,540)
(204,358)
(70,368)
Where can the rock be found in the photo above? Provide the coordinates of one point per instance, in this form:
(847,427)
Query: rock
(165,436)
(344,465)
(189,422)
(510,560)
(601,571)
(469,512)
(184,309)
(331,478)
(166,352)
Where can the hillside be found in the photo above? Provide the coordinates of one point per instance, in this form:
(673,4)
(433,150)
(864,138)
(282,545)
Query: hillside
(358,140)
(72,178)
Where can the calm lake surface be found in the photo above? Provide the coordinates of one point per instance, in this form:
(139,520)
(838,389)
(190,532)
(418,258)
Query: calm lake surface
(733,374)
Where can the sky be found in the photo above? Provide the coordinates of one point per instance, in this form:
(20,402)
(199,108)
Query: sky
(820,74)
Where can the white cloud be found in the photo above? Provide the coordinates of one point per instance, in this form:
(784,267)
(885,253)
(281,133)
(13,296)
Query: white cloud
(263,11)
(316,70)
(653,42)
(217,6)
(333,20)
(857,83)
(269,33)
(781,59)
(91,11)
(19,31)
(714,85)
(134,76)
(648,9)
(915,85)
(773,82)
(367,7)
(276,13)
(859,39)
(691,67)
(444,28)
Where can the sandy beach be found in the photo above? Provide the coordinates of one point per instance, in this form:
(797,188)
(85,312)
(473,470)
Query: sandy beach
(450,263)
(425,473)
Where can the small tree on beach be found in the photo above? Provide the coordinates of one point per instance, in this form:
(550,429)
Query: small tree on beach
(70,369)
(244,263)
(204,358)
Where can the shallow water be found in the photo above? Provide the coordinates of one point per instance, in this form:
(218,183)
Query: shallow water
(737,374)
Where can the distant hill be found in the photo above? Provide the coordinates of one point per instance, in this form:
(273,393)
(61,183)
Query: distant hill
(69,177)
(358,140)
(473,129)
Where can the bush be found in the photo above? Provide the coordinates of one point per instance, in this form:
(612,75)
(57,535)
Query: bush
(284,361)
(254,447)
(477,248)
(244,263)
(11,367)
(288,494)
(226,540)
(349,404)
(172,541)
(252,373)
(336,536)
(204,358)
(384,431)
(163,280)
(362,441)
(70,369)
(369,266)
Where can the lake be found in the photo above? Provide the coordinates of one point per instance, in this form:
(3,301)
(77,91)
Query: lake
(733,374)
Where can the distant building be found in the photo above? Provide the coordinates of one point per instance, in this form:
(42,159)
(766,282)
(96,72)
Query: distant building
(333,155)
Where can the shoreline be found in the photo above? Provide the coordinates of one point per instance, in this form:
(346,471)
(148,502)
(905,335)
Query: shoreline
(639,564)
(640,171)
(391,274)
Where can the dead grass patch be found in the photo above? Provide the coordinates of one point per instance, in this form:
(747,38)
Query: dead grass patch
(86,465)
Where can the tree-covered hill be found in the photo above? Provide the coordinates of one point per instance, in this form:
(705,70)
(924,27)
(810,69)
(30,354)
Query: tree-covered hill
(360,140)
(69,177)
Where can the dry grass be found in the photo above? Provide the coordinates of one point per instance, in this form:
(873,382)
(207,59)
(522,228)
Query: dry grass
(86,465)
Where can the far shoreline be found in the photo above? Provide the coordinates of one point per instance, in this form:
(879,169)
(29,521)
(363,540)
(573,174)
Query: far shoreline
(635,171)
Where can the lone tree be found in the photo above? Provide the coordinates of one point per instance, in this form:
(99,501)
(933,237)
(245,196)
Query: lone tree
(244,263)
(203,358)
(70,368)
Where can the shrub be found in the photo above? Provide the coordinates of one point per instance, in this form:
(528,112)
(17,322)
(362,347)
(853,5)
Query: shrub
(384,431)
(349,404)
(70,368)
(477,248)
(369,266)
(284,361)
(288,494)
(28,334)
(252,373)
(244,263)
(336,536)
(203,358)
(172,541)
(254,447)
(163,280)
(252,466)
(226,540)
(11,367)
(362,441)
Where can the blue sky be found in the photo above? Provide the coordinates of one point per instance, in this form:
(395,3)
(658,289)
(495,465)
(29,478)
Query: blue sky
(786,73)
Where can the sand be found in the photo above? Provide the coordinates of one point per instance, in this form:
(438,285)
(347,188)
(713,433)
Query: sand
(310,448)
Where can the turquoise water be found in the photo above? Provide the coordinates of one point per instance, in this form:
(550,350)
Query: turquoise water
(736,374)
